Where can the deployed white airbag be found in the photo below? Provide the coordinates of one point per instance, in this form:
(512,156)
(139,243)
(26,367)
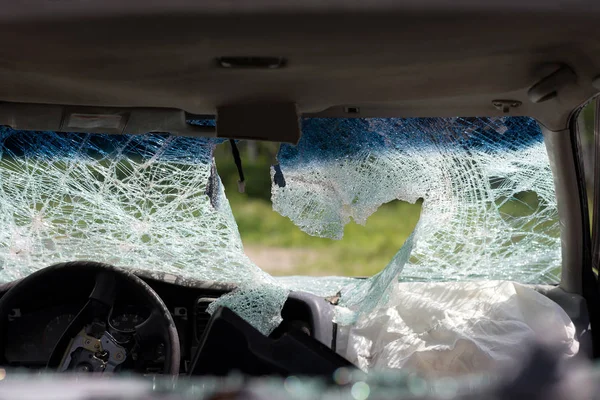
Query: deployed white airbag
(453,328)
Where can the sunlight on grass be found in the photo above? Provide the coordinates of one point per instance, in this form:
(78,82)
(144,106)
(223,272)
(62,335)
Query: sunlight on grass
(281,248)
(363,251)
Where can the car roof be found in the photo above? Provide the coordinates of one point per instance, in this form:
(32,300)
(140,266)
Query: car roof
(338,58)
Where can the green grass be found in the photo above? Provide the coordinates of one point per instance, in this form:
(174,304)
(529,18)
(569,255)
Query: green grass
(363,251)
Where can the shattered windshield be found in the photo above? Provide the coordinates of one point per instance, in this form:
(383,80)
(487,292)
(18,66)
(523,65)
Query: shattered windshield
(155,202)
(488,202)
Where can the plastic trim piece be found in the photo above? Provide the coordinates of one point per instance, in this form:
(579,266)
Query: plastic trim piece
(568,198)
(122,120)
(577,275)
(321,314)
(548,87)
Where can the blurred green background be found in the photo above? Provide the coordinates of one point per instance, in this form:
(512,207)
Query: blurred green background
(278,246)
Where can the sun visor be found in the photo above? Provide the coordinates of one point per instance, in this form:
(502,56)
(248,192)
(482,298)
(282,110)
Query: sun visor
(111,120)
(277,122)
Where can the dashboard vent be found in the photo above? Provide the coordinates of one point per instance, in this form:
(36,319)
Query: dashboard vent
(201,317)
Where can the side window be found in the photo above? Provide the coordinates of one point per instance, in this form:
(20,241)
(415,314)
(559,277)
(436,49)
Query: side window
(587,124)
(585,129)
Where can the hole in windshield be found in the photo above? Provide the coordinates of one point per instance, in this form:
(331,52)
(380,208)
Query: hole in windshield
(279,247)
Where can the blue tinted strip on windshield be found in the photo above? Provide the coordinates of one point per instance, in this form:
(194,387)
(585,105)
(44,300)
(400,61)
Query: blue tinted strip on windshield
(328,138)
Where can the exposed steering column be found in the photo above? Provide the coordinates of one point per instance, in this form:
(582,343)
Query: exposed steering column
(89,354)
(86,345)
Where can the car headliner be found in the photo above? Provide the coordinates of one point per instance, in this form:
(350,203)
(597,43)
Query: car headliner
(389,58)
(383,57)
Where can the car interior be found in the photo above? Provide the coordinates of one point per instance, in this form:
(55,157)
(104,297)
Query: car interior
(257,68)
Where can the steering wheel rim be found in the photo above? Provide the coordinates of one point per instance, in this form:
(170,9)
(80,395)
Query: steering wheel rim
(159,313)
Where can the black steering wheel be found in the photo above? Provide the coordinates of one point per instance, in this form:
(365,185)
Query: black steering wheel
(90,343)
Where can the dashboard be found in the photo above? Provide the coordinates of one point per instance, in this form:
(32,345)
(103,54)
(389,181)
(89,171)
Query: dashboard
(34,328)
